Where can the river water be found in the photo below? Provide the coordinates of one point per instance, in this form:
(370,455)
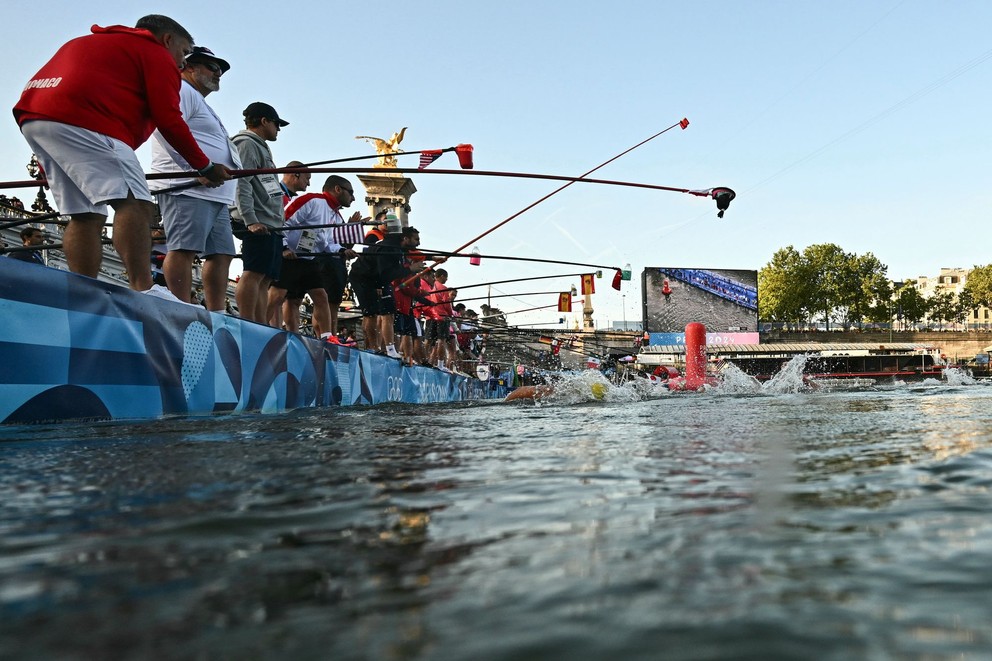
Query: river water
(743,523)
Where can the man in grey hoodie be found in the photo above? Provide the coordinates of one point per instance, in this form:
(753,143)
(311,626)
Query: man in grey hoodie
(258,209)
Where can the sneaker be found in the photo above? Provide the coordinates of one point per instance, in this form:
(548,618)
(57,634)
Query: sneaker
(392,352)
(158,291)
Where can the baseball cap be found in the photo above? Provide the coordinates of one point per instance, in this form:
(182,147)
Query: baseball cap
(259,110)
(201,53)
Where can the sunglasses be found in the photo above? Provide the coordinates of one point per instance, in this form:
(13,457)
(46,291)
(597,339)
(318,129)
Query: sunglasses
(212,66)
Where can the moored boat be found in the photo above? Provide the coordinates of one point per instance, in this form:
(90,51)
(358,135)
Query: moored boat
(899,361)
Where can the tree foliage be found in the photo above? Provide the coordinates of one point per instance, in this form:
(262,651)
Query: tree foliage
(910,305)
(823,282)
(979,286)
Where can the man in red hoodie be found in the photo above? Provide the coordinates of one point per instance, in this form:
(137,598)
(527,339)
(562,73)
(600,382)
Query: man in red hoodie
(86,111)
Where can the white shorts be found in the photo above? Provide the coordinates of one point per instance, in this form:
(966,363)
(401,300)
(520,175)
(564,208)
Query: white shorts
(85,169)
(201,226)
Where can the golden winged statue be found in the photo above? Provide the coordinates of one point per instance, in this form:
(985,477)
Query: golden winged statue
(385,148)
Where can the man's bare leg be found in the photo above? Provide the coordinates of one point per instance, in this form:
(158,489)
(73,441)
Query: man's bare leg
(291,314)
(371,332)
(275,297)
(133,239)
(321,317)
(216,270)
(82,243)
(178,269)
(247,295)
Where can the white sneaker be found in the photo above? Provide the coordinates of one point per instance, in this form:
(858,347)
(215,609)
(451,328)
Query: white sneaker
(392,352)
(158,291)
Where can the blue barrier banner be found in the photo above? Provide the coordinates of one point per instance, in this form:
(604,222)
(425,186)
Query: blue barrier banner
(73,347)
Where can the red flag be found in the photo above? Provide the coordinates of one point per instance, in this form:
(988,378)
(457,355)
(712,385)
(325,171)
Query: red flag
(684,123)
(588,285)
(428,156)
(617,277)
(564,302)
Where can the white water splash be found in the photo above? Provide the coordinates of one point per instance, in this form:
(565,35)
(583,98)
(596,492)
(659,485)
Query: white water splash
(733,380)
(592,386)
(789,379)
(959,376)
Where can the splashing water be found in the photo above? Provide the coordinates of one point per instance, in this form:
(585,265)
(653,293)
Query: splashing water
(733,380)
(959,376)
(592,386)
(789,379)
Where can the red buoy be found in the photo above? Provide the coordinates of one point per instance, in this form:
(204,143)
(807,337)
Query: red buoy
(695,355)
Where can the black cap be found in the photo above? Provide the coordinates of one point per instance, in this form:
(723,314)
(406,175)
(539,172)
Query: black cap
(201,53)
(259,110)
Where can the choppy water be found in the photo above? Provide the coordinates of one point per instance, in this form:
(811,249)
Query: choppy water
(745,523)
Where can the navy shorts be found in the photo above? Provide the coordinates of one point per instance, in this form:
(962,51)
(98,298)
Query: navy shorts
(299,276)
(335,277)
(387,304)
(368,297)
(262,253)
(405,324)
(438,329)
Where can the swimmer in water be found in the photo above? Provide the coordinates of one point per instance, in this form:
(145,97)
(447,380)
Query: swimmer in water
(539,392)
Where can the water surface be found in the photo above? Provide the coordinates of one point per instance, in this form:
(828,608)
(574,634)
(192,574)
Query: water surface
(746,523)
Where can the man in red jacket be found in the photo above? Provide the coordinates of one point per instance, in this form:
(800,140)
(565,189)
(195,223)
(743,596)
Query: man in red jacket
(86,111)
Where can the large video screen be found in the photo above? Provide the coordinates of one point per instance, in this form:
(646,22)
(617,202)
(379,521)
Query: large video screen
(725,301)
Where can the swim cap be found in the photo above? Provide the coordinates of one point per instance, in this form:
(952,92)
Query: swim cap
(598,390)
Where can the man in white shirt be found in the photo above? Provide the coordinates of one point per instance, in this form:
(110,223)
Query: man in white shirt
(301,269)
(196,219)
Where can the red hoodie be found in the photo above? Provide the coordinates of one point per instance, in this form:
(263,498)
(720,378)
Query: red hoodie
(118,81)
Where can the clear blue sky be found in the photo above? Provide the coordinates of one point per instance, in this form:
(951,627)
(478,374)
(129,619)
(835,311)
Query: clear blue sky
(863,124)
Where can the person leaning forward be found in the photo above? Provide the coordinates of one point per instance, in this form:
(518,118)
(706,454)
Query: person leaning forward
(86,111)
(258,209)
(197,220)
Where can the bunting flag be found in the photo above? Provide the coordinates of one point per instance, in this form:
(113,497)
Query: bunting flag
(565,302)
(588,284)
(617,278)
(348,233)
(684,123)
(428,156)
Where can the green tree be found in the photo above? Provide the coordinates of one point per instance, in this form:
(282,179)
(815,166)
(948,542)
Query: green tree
(964,306)
(826,269)
(910,305)
(783,288)
(867,292)
(979,285)
(941,307)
